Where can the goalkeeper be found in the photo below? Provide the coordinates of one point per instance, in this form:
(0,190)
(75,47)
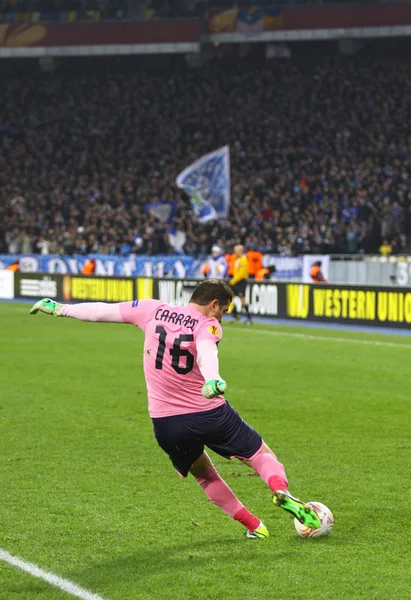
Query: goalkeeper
(186,395)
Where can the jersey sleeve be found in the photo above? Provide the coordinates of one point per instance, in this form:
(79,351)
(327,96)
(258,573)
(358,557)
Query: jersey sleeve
(207,339)
(209,330)
(93,311)
(138,312)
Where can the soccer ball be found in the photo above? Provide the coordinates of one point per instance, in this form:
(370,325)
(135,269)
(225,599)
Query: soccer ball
(326,518)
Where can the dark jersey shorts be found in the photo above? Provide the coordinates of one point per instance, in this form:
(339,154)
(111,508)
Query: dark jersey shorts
(239,288)
(221,429)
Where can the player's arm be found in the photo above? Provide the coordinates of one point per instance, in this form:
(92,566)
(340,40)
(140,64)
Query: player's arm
(207,360)
(87,311)
(135,313)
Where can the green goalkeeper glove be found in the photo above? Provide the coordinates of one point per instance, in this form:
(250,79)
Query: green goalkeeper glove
(213,388)
(48,307)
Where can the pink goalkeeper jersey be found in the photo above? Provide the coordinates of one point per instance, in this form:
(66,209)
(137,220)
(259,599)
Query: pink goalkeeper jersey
(171,370)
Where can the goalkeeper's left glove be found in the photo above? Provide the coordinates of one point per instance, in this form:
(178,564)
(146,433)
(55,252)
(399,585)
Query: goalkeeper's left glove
(213,388)
(48,307)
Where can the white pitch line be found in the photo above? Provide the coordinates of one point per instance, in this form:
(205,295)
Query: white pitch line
(59,582)
(324,338)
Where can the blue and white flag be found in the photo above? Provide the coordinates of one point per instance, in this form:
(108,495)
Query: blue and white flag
(163,211)
(207,182)
(250,21)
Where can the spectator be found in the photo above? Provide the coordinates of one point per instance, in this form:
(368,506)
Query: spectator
(387,222)
(26,243)
(43,245)
(13,241)
(352,239)
(385,248)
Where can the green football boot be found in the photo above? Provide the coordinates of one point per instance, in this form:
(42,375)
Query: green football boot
(261,533)
(301,511)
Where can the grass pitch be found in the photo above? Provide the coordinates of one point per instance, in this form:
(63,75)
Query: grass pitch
(86,493)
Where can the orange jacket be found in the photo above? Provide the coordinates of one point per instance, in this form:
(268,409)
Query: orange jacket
(259,276)
(89,268)
(230,259)
(14,267)
(316,275)
(255,262)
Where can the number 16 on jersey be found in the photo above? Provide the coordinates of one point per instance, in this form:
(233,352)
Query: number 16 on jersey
(177,352)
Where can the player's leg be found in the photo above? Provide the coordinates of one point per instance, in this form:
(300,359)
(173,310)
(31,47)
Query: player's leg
(246,310)
(220,494)
(241,288)
(232,309)
(266,464)
(237,439)
(179,437)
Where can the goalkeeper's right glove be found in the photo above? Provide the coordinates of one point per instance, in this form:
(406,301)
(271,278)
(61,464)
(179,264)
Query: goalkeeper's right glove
(48,307)
(213,388)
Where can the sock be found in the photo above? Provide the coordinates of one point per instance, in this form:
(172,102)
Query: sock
(247,519)
(221,495)
(234,312)
(270,470)
(245,307)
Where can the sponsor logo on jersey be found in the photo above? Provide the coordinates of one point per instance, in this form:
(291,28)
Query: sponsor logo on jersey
(213,330)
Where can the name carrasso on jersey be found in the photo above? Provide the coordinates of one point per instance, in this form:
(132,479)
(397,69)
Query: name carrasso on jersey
(177,318)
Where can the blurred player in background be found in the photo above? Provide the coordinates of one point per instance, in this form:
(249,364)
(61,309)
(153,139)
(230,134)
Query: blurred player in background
(265,273)
(89,267)
(316,272)
(185,395)
(216,266)
(230,260)
(238,283)
(255,262)
(14,266)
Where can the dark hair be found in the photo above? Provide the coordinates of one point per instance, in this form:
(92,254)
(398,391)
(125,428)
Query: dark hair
(212,289)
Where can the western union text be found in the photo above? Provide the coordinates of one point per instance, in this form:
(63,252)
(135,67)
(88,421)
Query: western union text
(364,305)
(105,290)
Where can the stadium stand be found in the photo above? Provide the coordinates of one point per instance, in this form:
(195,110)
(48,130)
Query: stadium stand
(23,11)
(320,152)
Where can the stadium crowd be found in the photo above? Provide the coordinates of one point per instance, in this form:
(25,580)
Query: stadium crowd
(20,11)
(320,154)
